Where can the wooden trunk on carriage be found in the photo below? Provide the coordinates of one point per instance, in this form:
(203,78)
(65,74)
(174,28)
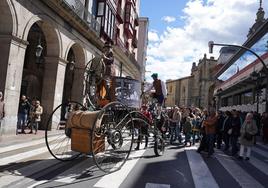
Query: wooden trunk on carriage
(81,123)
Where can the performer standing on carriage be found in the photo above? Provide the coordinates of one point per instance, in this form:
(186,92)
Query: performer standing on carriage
(160,93)
(99,73)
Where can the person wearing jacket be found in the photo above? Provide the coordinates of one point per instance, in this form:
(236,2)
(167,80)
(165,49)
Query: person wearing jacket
(24,109)
(219,133)
(235,131)
(249,127)
(37,111)
(210,129)
(187,130)
(227,123)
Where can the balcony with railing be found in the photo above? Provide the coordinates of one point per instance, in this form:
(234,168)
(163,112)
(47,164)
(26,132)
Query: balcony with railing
(136,19)
(120,14)
(80,10)
(134,39)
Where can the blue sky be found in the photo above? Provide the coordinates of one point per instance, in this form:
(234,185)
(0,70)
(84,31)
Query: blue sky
(155,11)
(179,31)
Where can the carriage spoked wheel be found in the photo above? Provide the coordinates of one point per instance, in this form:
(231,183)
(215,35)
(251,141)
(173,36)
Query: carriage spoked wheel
(159,145)
(58,135)
(112,137)
(94,74)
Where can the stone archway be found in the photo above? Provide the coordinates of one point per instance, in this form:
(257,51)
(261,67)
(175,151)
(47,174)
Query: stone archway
(48,68)
(11,49)
(7,27)
(74,74)
(34,66)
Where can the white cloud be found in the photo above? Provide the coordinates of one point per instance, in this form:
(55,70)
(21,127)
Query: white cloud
(168,19)
(153,36)
(172,52)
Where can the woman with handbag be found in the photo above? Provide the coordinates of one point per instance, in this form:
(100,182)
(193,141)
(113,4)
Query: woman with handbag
(247,132)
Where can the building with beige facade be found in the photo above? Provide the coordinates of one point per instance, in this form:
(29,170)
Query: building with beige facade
(40,39)
(195,90)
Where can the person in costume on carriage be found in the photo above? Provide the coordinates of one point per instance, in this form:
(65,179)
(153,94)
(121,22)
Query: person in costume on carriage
(108,60)
(160,89)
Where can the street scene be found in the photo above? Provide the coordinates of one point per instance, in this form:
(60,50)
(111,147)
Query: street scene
(134,94)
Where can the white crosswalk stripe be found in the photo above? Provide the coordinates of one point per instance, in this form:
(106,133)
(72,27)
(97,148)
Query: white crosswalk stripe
(260,152)
(262,166)
(24,145)
(114,180)
(242,177)
(262,145)
(24,155)
(201,173)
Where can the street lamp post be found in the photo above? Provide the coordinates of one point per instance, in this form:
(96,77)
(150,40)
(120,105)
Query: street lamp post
(211,44)
(256,78)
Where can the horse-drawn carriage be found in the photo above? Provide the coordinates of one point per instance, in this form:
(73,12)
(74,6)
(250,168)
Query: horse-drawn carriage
(103,130)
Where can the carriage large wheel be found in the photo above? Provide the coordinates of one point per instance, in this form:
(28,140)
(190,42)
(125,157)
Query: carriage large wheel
(112,137)
(57,135)
(94,72)
(159,145)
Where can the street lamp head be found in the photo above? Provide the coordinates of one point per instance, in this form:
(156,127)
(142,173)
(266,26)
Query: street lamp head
(38,51)
(71,65)
(254,76)
(210,45)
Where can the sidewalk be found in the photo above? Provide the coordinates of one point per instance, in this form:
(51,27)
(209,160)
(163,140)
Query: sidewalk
(21,138)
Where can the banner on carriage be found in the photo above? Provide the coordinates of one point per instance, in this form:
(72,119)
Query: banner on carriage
(127,91)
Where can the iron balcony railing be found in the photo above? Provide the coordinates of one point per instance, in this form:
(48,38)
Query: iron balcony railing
(79,8)
(120,14)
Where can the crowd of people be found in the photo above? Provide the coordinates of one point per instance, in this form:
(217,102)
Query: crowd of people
(233,131)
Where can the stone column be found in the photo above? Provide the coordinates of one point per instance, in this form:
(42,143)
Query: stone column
(78,84)
(11,69)
(53,83)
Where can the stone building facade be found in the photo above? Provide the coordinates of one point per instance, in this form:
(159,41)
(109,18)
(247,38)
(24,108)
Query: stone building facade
(194,90)
(69,32)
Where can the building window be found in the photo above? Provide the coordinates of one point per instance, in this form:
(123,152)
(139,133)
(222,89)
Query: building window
(100,9)
(247,98)
(170,89)
(106,17)
(229,101)
(237,100)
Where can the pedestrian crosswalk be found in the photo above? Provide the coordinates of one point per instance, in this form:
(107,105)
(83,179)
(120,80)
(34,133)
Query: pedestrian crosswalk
(30,165)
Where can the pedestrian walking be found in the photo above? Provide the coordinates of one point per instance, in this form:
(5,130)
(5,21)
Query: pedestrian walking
(247,132)
(24,110)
